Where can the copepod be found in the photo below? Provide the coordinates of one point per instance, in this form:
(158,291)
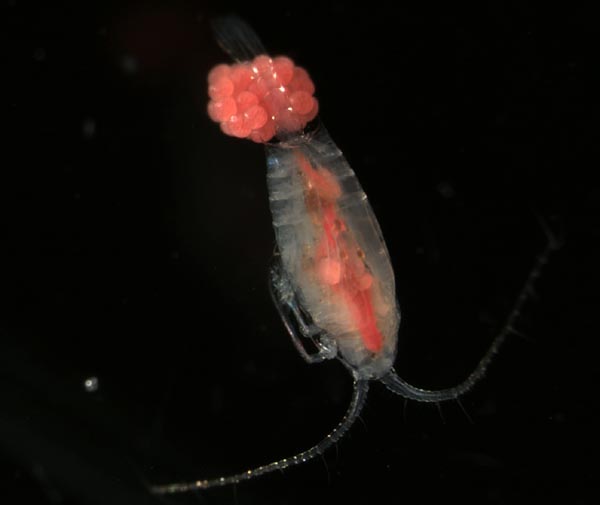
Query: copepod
(331,278)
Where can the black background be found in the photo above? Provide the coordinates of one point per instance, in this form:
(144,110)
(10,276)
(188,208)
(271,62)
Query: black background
(135,242)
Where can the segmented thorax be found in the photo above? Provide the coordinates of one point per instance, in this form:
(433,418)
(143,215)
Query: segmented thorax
(332,250)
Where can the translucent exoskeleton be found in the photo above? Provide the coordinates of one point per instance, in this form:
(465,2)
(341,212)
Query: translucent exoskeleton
(331,279)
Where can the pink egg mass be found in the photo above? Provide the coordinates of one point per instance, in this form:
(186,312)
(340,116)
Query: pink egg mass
(260,98)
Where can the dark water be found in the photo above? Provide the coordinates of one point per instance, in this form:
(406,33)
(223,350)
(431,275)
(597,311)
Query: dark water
(136,240)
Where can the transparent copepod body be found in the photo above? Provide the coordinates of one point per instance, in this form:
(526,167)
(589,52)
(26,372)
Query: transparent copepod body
(332,250)
(333,282)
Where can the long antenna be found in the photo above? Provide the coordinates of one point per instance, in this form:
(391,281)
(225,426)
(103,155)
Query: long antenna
(399,386)
(359,396)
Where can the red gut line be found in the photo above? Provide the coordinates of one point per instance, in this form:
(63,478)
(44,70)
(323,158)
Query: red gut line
(338,260)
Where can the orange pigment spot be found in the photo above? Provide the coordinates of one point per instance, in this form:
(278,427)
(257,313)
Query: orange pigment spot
(330,271)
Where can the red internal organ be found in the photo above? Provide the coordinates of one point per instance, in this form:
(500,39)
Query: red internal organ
(338,259)
(258,99)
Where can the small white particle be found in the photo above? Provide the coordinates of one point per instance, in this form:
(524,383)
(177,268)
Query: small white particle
(91,384)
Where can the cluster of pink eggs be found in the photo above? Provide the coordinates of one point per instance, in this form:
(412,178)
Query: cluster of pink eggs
(260,98)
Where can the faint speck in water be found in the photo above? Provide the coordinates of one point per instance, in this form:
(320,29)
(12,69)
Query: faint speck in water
(91,384)
(39,54)
(129,64)
(88,128)
(446,190)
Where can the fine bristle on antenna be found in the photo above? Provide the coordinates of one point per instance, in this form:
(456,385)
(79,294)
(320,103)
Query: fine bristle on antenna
(359,396)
